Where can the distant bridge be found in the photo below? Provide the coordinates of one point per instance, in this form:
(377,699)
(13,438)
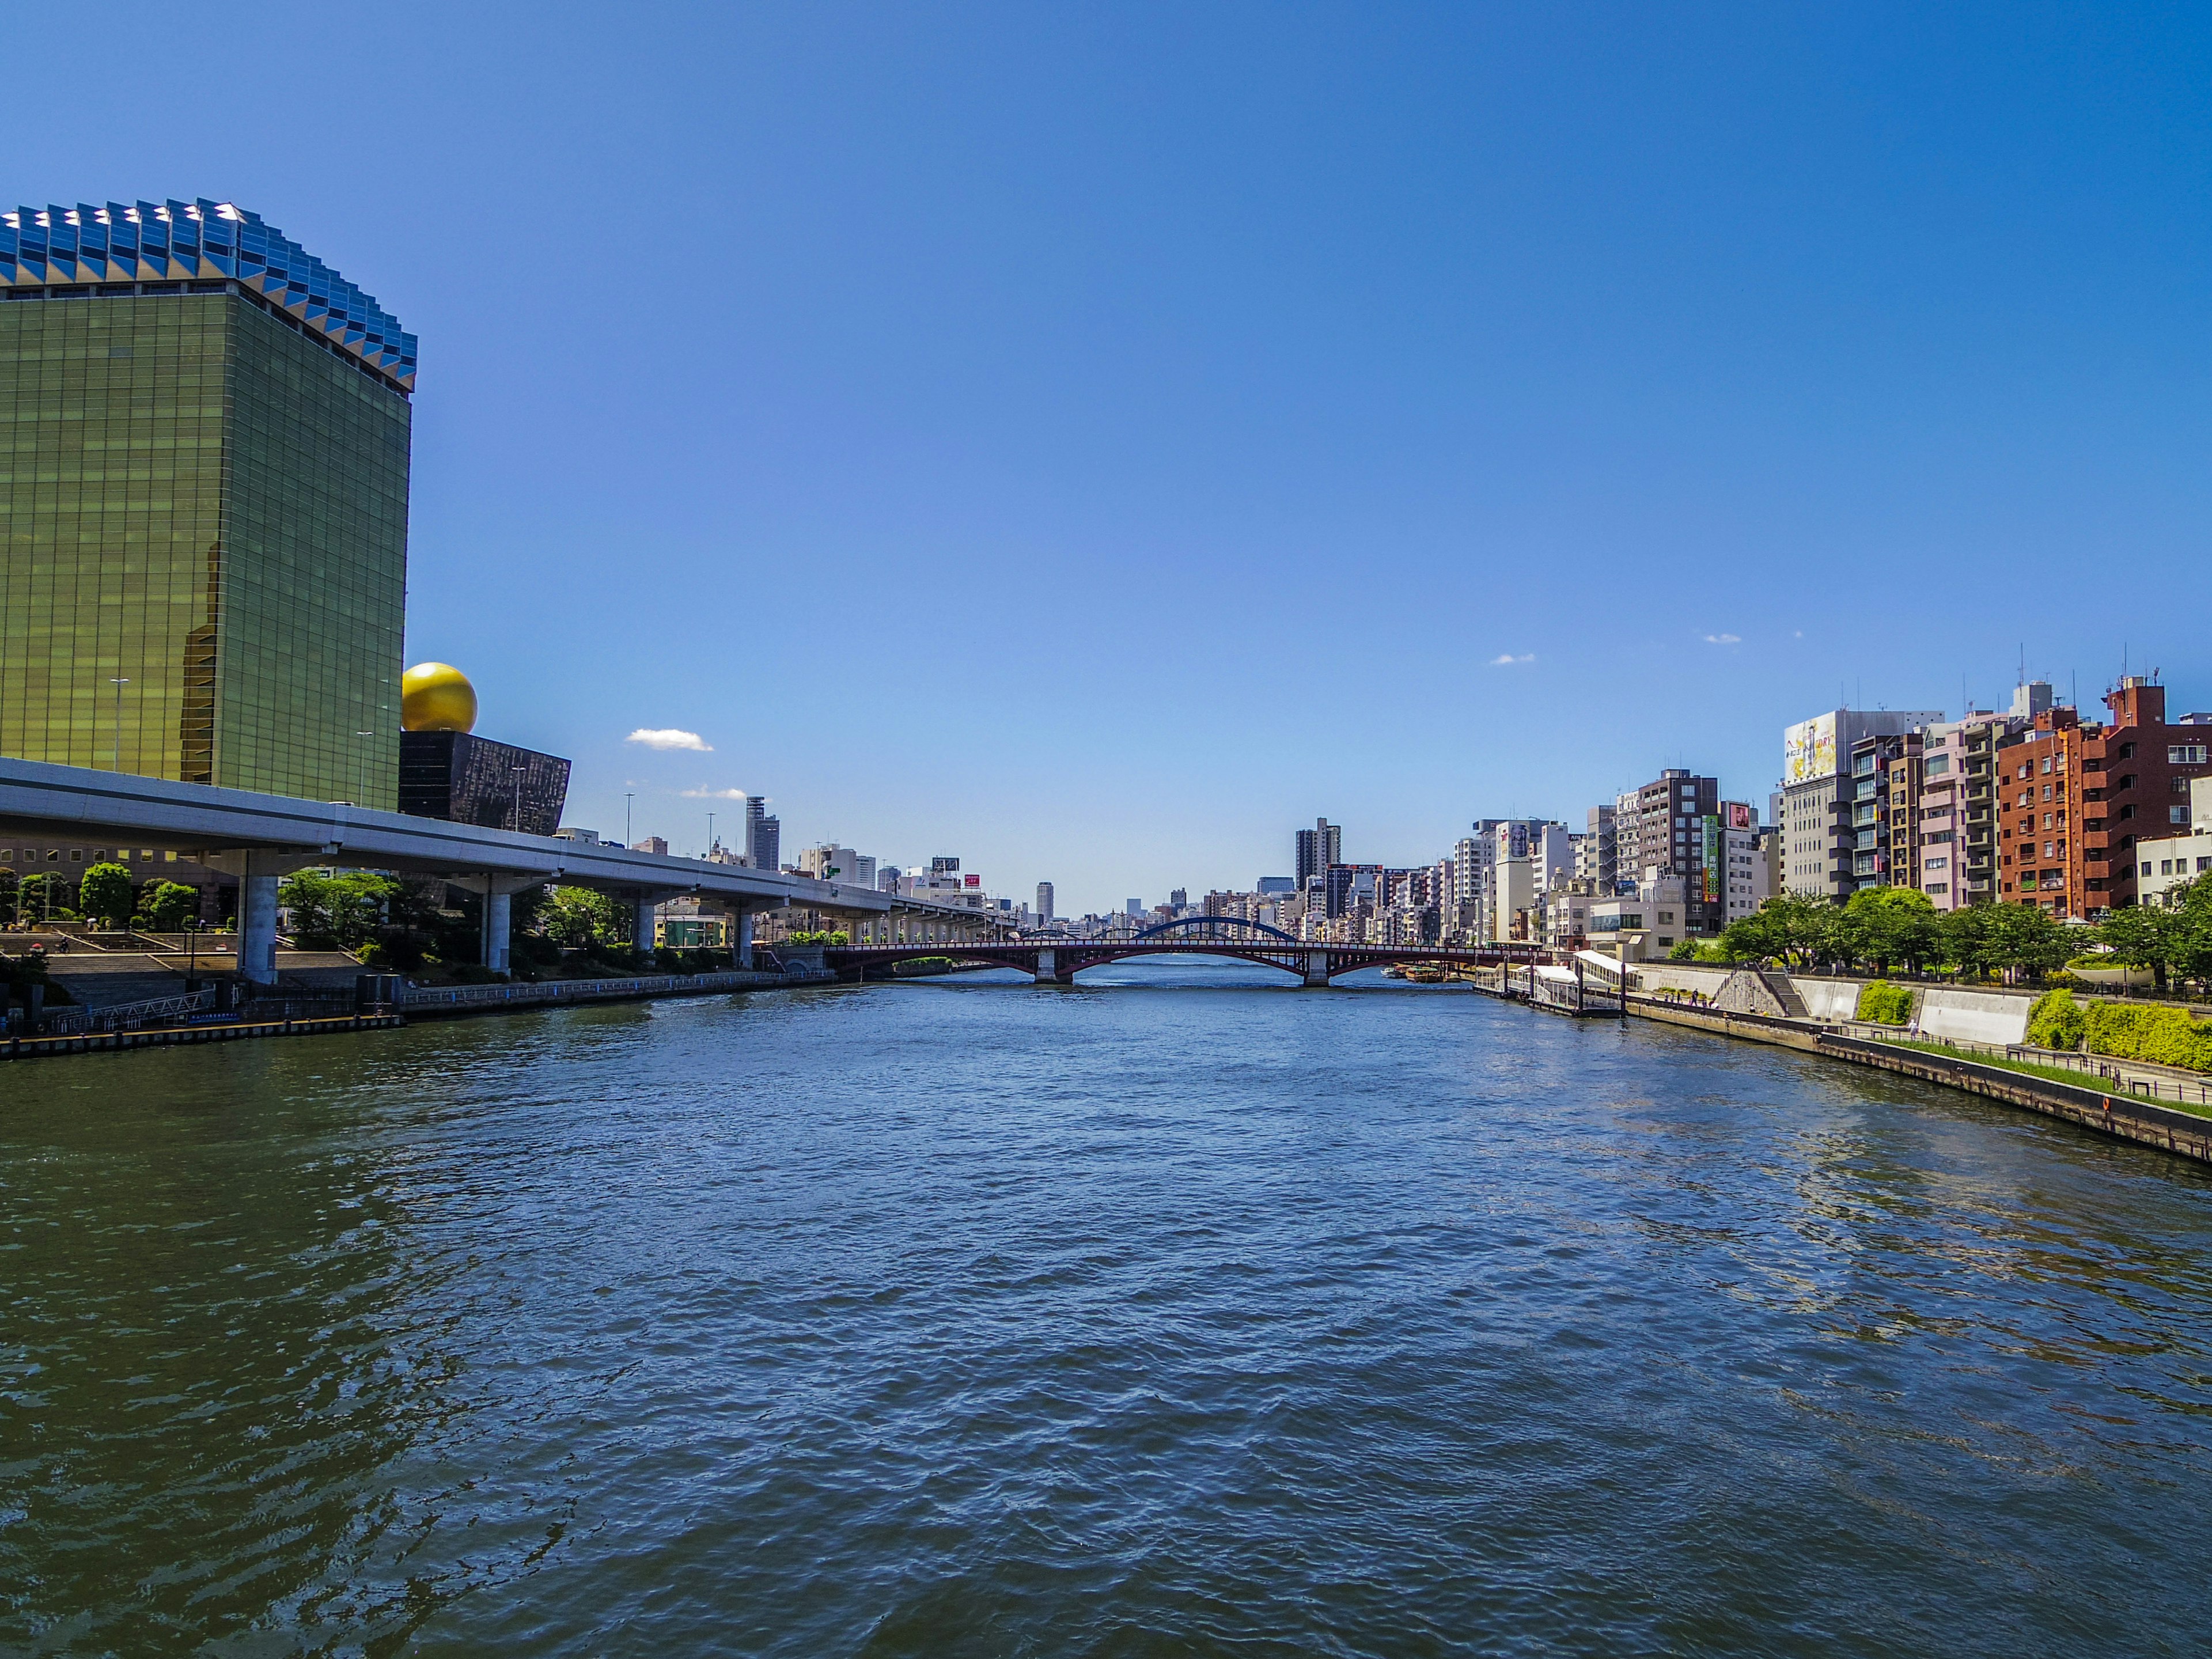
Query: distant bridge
(1057,961)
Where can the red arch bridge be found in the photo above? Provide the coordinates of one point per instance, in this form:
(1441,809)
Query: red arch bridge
(1056,959)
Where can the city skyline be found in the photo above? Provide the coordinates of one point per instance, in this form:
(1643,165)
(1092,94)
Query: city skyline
(1436,418)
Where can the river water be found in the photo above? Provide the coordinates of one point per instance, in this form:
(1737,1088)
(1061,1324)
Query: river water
(1179,1314)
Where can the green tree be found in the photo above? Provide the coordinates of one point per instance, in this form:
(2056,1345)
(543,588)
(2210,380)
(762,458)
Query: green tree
(2028,939)
(165,907)
(336,909)
(1887,925)
(104,895)
(578,918)
(44,895)
(2190,907)
(1807,931)
(2144,936)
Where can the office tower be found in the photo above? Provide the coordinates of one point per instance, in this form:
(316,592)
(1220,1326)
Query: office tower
(1179,899)
(749,847)
(1819,842)
(204,467)
(768,842)
(1317,848)
(1044,901)
(1136,907)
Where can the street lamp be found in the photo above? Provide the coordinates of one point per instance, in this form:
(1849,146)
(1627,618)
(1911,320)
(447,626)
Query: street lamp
(710,837)
(119,682)
(627,835)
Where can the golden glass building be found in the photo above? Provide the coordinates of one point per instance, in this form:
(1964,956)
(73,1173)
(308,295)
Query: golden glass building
(203,457)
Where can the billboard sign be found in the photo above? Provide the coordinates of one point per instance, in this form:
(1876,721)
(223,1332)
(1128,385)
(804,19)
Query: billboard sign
(1737,814)
(975,881)
(1809,750)
(1714,841)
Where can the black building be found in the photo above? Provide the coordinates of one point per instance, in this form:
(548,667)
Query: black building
(471,779)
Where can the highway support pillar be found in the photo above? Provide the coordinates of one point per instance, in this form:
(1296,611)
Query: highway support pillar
(258,870)
(257,925)
(744,947)
(645,913)
(496,936)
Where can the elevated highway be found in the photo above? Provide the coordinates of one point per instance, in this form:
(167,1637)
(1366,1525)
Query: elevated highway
(261,838)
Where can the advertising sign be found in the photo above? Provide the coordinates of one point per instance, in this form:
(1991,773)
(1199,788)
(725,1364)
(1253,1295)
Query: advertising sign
(1737,814)
(1714,841)
(975,881)
(1809,750)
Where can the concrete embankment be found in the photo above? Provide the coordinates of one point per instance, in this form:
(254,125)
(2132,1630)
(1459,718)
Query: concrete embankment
(2125,1117)
(439,1003)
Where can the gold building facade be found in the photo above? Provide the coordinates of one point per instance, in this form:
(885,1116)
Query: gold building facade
(203,520)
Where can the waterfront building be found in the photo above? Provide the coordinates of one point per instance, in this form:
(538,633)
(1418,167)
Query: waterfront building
(1597,855)
(1659,831)
(1739,876)
(1820,841)
(1954,818)
(203,468)
(2163,863)
(1884,789)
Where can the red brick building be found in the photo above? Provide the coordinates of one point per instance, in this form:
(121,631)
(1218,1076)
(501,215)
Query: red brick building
(2073,799)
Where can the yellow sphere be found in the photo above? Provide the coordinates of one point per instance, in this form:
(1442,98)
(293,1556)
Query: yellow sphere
(436,697)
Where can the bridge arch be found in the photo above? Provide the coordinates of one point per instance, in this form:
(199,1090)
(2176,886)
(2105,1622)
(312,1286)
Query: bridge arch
(1228,929)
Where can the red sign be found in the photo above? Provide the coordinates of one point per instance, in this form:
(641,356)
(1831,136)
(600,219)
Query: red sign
(975,881)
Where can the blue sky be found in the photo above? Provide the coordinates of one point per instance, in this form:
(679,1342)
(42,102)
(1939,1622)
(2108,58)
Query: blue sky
(1094,441)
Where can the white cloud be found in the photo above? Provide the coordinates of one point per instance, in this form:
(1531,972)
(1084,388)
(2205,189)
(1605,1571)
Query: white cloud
(1724,639)
(714,795)
(670,737)
(1507,660)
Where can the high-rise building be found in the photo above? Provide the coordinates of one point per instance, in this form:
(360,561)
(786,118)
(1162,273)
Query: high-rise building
(1317,848)
(1820,840)
(2072,800)
(1044,901)
(766,842)
(204,438)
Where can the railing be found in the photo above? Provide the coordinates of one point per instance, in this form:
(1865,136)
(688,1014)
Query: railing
(2144,1078)
(125,1017)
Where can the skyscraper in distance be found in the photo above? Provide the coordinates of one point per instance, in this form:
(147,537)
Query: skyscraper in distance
(1044,901)
(204,468)
(1317,848)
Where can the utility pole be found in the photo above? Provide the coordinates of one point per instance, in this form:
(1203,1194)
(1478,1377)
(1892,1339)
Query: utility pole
(627,836)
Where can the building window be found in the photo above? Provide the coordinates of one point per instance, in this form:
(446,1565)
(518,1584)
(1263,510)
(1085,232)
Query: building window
(2185,754)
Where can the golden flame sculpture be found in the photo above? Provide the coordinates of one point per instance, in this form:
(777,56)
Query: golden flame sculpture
(436,697)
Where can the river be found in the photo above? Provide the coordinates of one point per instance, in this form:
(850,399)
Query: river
(1178,1314)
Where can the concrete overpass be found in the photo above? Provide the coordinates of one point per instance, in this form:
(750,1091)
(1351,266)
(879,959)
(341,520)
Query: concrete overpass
(261,838)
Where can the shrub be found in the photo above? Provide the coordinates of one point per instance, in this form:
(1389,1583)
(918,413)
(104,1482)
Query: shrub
(1884,1004)
(2056,1021)
(2135,1031)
